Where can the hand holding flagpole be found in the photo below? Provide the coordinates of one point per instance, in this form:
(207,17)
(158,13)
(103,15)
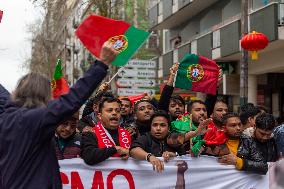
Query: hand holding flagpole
(105,85)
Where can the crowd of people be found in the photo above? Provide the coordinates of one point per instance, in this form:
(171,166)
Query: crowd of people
(35,131)
(171,127)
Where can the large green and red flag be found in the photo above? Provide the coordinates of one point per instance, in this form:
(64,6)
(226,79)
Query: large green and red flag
(197,73)
(1,15)
(126,39)
(59,84)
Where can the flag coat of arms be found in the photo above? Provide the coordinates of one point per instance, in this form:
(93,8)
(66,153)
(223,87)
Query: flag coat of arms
(197,73)
(126,39)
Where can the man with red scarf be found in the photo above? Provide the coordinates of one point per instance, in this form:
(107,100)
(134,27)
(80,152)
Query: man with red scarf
(107,138)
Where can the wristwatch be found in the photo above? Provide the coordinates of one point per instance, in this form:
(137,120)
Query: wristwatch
(148,157)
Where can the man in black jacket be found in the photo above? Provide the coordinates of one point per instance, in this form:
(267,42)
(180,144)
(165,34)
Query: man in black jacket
(89,117)
(107,139)
(126,112)
(143,110)
(250,154)
(160,143)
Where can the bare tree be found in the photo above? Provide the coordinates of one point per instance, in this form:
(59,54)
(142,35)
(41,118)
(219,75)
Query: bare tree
(45,42)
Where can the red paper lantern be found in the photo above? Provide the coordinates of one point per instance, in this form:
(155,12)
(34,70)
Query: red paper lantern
(254,42)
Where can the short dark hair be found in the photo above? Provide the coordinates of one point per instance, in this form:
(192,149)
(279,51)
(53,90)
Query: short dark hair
(248,110)
(139,101)
(95,100)
(262,108)
(99,96)
(229,115)
(161,113)
(246,106)
(220,100)
(190,104)
(108,100)
(127,99)
(265,121)
(177,98)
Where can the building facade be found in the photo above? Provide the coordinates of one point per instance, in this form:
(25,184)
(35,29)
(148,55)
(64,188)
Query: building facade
(212,28)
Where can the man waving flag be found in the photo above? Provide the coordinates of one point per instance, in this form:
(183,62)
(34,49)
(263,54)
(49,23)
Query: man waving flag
(126,39)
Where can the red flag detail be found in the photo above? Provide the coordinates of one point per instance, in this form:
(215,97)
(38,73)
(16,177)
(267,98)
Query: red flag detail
(95,30)
(214,136)
(208,84)
(61,89)
(134,99)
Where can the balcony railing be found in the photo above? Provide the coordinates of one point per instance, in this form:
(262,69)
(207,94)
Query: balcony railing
(170,13)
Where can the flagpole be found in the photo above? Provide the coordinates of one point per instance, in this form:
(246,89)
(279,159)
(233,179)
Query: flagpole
(118,71)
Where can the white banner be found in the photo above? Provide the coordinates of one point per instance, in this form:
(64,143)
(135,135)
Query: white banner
(182,172)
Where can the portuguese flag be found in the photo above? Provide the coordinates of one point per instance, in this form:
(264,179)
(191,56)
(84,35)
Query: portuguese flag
(59,84)
(126,39)
(197,73)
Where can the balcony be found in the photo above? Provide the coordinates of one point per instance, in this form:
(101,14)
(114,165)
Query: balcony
(221,42)
(171,13)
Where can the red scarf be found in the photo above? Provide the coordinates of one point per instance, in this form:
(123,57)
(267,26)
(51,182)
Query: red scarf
(105,140)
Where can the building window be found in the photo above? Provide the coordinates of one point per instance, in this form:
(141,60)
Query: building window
(160,8)
(216,39)
(281,13)
(256,4)
(175,42)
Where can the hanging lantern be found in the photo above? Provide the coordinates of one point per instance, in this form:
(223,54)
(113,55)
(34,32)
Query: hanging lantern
(254,42)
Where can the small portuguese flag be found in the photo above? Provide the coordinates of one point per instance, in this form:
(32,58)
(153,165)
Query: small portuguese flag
(197,73)
(59,84)
(126,39)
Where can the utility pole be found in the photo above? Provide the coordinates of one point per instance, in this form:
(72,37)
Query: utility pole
(244,58)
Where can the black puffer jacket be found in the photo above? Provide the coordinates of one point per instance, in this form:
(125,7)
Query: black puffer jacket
(256,154)
(151,145)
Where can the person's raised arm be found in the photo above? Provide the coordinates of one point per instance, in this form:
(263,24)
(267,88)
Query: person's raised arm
(168,90)
(68,104)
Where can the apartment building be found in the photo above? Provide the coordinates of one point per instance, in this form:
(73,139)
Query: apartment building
(212,28)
